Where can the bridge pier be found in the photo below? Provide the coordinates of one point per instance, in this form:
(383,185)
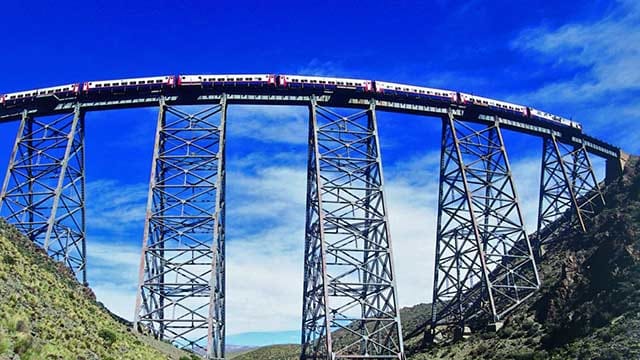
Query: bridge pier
(43,193)
(484,261)
(569,189)
(181,295)
(350,307)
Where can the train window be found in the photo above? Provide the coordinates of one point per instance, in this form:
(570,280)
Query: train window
(158,81)
(98,85)
(248,79)
(322,82)
(332,82)
(49,92)
(19,96)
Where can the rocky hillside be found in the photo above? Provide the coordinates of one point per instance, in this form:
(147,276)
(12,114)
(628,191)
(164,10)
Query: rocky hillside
(46,314)
(588,307)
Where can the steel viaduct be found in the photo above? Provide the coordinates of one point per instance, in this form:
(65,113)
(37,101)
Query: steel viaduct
(485,261)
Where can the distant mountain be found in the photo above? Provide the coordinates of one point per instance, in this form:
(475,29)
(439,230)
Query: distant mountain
(255,339)
(46,314)
(588,306)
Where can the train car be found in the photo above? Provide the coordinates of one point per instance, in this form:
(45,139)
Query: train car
(384,87)
(63,91)
(493,104)
(228,80)
(547,117)
(322,82)
(151,83)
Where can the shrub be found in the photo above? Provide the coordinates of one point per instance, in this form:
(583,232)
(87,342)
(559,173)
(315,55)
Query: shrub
(108,336)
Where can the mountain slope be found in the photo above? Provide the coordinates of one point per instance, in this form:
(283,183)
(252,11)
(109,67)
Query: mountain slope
(46,314)
(588,306)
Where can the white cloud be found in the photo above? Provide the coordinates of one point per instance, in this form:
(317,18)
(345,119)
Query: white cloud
(605,52)
(114,206)
(274,124)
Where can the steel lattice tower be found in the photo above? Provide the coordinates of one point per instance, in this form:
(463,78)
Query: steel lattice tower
(568,188)
(43,193)
(181,296)
(484,261)
(350,308)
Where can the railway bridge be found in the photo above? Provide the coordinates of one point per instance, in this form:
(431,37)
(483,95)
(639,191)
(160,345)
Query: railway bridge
(485,261)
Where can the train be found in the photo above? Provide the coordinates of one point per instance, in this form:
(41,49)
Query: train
(159,83)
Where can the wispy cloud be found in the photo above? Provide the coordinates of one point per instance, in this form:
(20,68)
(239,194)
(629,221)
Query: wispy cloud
(321,68)
(605,52)
(114,206)
(275,124)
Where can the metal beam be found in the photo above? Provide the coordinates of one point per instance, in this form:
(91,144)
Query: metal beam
(350,306)
(484,261)
(569,190)
(43,193)
(181,290)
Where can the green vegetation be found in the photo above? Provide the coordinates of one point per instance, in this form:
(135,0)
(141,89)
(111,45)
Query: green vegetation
(46,314)
(275,352)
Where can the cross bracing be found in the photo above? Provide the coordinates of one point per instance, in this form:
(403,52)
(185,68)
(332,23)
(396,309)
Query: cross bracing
(350,308)
(181,295)
(569,190)
(43,193)
(350,296)
(484,261)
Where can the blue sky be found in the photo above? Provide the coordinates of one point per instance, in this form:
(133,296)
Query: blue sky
(576,59)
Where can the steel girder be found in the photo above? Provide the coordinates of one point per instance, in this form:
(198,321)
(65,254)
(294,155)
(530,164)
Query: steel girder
(350,307)
(484,261)
(43,193)
(181,294)
(568,189)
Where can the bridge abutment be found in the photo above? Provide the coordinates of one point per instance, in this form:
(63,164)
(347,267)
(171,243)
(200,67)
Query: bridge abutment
(615,167)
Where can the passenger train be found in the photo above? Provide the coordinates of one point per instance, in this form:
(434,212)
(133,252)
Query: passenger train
(160,83)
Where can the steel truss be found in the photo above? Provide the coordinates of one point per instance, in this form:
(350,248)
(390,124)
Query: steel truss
(181,295)
(43,193)
(350,307)
(568,188)
(484,261)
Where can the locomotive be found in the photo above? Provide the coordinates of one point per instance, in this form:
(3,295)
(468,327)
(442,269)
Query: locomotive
(159,83)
